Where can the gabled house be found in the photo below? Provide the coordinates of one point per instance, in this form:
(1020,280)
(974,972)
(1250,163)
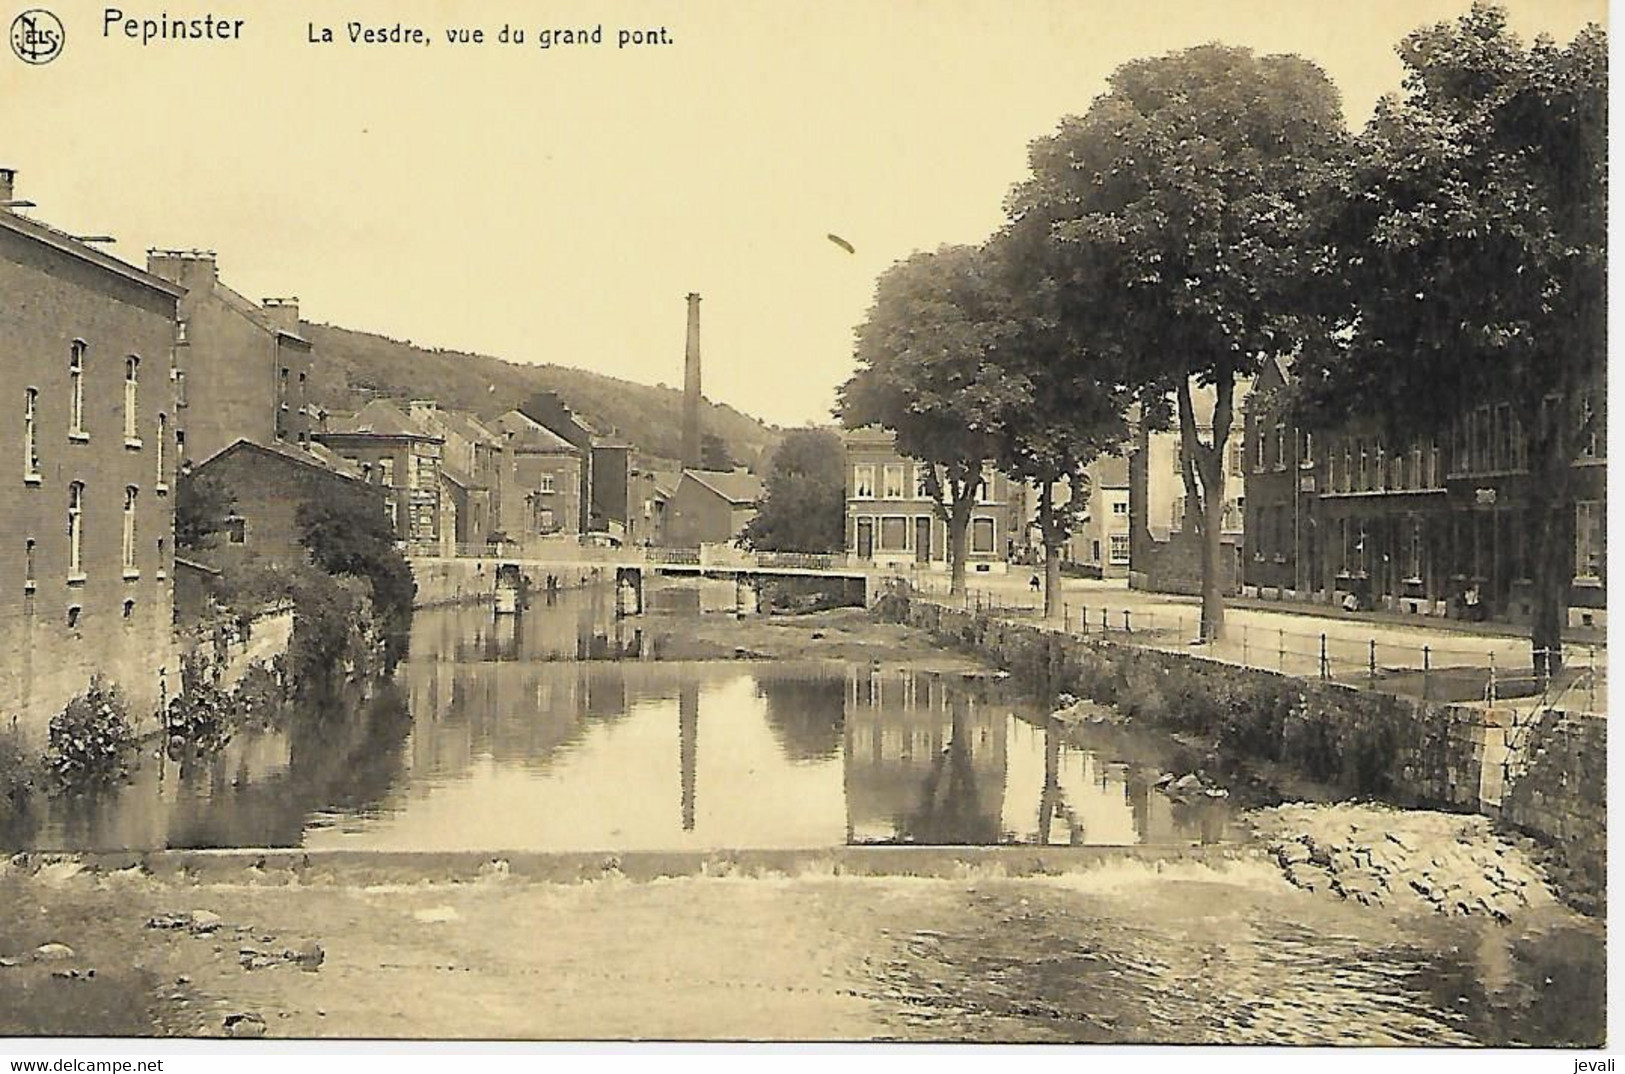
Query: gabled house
(542,485)
(400,455)
(711,507)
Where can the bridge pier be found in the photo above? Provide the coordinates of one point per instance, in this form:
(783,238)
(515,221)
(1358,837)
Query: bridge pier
(628,591)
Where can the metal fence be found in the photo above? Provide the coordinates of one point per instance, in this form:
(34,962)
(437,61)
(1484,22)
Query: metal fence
(1500,672)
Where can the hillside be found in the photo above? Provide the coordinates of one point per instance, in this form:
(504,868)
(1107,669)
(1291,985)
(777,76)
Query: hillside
(351,367)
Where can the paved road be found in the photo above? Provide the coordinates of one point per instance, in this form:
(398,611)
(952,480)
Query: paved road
(1291,641)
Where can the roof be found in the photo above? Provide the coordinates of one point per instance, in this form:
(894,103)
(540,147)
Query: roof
(735,486)
(666,481)
(1109,471)
(458,477)
(336,468)
(531,435)
(468,427)
(68,244)
(253,312)
(379,418)
(332,460)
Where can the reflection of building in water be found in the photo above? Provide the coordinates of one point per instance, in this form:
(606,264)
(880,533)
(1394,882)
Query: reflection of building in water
(688,735)
(802,716)
(924,762)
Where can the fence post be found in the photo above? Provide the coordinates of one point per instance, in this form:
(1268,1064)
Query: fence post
(1105,624)
(1083,618)
(1371,662)
(1325,672)
(1280,649)
(1591,678)
(1127,629)
(1427,661)
(1491,689)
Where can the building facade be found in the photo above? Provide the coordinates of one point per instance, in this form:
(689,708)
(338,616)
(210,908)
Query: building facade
(711,507)
(1414,526)
(542,487)
(87,511)
(473,464)
(396,453)
(1101,541)
(242,371)
(269,483)
(891,519)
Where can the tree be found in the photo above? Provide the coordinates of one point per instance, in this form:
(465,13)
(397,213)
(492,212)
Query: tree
(925,372)
(1185,196)
(803,509)
(1071,406)
(714,454)
(1466,261)
(202,505)
(348,532)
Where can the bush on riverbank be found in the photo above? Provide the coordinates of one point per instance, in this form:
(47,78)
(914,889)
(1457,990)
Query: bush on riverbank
(91,741)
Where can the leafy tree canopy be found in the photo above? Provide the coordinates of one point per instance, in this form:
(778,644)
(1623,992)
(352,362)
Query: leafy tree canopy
(805,502)
(202,505)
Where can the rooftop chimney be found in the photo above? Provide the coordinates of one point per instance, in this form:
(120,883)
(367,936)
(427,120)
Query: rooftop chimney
(283,312)
(189,268)
(421,408)
(692,448)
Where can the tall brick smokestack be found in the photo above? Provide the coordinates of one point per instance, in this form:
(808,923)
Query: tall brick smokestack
(691,388)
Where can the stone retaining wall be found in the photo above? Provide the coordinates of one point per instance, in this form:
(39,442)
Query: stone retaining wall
(1545,778)
(472,579)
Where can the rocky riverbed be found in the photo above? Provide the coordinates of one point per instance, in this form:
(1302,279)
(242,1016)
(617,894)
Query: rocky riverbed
(1376,855)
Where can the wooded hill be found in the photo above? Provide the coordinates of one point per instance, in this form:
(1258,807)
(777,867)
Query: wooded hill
(352,367)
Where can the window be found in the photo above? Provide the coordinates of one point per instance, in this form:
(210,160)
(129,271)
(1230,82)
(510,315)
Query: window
(1261,444)
(1238,456)
(129,609)
(893,534)
(237,529)
(162,485)
(981,536)
(1120,507)
(1504,433)
(1363,483)
(545,484)
(1306,450)
(1348,467)
(984,491)
(1280,445)
(1417,481)
(544,520)
(282,388)
(130,494)
(1379,469)
(180,331)
(180,388)
(863,482)
(386,472)
(31,471)
(29,584)
(1119,548)
(76,531)
(1433,466)
(1482,440)
(1176,517)
(76,391)
(1589,519)
(922,483)
(163,565)
(1590,426)
(132,375)
(1413,551)
(892,484)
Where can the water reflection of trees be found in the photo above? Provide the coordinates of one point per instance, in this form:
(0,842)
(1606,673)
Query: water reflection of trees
(804,714)
(924,762)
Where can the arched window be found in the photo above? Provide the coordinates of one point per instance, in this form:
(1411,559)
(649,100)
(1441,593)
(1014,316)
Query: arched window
(31,471)
(76,389)
(76,529)
(130,493)
(163,437)
(132,375)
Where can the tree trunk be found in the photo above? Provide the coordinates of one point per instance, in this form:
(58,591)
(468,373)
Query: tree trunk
(1203,471)
(958,524)
(1212,550)
(1551,518)
(1050,528)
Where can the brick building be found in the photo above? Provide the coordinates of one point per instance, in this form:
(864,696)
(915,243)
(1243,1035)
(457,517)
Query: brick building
(710,507)
(269,483)
(397,453)
(1101,541)
(607,497)
(86,514)
(473,464)
(241,371)
(1412,526)
(543,486)
(891,519)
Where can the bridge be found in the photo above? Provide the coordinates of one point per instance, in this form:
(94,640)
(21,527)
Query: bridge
(631,565)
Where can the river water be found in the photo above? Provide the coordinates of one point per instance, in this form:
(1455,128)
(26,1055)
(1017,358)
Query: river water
(566,729)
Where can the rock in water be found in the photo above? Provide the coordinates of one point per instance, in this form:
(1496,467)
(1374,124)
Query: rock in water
(244,1025)
(204,920)
(53,952)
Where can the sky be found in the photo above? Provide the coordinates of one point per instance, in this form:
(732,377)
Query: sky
(557,205)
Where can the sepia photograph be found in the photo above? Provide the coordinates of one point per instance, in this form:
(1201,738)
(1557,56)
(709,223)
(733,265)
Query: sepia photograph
(779,524)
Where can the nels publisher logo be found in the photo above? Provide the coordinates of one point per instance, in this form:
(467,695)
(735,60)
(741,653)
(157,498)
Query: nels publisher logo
(37,36)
